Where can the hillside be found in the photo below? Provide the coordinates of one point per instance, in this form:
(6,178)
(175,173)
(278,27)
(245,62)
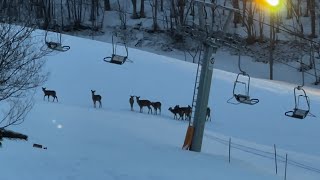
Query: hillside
(115,143)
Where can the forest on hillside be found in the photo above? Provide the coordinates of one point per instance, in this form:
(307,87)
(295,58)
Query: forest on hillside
(292,15)
(289,30)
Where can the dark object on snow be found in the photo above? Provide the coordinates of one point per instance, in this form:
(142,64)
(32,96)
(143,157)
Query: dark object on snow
(39,146)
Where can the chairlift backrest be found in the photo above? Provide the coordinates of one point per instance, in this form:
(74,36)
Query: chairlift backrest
(240,80)
(302,95)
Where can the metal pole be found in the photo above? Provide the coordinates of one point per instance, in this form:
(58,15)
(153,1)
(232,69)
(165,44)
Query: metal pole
(271,43)
(202,99)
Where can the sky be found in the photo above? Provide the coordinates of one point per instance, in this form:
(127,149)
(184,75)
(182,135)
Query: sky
(115,143)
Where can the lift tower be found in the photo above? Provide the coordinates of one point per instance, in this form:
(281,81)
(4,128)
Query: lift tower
(203,81)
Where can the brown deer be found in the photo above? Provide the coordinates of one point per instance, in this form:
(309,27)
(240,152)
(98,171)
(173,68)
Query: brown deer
(208,114)
(49,93)
(156,106)
(131,101)
(176,111)
(184,111)
(96,98)
(143,103)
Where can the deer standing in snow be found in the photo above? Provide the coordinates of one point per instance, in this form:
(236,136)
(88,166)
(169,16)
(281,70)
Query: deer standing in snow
(96,98)
(131,101)
(49,93)
(208,114)
(143,103)
(156,106)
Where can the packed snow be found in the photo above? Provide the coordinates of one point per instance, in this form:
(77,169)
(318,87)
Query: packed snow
(115,143)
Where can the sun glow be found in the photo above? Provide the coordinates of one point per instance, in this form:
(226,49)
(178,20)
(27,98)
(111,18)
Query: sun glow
(273,2)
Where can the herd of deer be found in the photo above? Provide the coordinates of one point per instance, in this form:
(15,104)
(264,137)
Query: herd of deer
(183,112)
(147,103)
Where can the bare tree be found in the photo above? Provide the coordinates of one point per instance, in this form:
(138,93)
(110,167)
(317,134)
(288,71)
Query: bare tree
(21,62)
(236,16)
(306,13)
(154,7)
(313,18)
(76,14)
(261,23)
(244,9)
(107,6)
(289,9)
(142,14)
(181,7)
(249,24)
(122,15)
(134,9)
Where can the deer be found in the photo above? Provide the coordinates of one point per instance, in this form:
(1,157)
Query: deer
(176,111)
(131,101)
(49,93)
(208,118)
(184,111)
(156,106)
(95,98)
(143,103)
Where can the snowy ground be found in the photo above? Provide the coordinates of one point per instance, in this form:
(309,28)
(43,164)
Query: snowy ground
(115,143)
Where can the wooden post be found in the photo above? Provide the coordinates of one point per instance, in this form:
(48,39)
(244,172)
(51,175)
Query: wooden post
(229,149)
(285,170)
(275,158)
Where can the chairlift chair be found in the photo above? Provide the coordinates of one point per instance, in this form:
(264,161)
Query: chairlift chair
(298,112)
(243,97)
(115,58)
(56,45)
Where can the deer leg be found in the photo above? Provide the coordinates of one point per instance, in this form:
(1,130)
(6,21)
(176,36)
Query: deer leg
(100,104)
(149,109)
(48,97)
(94,104)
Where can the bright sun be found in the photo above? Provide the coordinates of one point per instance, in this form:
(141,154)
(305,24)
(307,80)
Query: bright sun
(273,2)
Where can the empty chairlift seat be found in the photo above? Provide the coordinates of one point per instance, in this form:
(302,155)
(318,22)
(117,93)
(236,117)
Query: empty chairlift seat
(116,58)
(300,97)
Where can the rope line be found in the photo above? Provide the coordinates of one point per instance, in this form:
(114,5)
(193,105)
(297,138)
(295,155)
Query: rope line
(261,153)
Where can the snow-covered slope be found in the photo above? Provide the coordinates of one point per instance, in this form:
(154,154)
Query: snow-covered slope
(115,143)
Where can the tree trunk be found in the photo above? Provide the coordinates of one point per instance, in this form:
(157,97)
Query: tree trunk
(289,9)
(155,15)
(134,9)
(244,7)
(181,5)
(142,15)
(236,15)
(306,14)
(107,6)
(313,18)
(261,21)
